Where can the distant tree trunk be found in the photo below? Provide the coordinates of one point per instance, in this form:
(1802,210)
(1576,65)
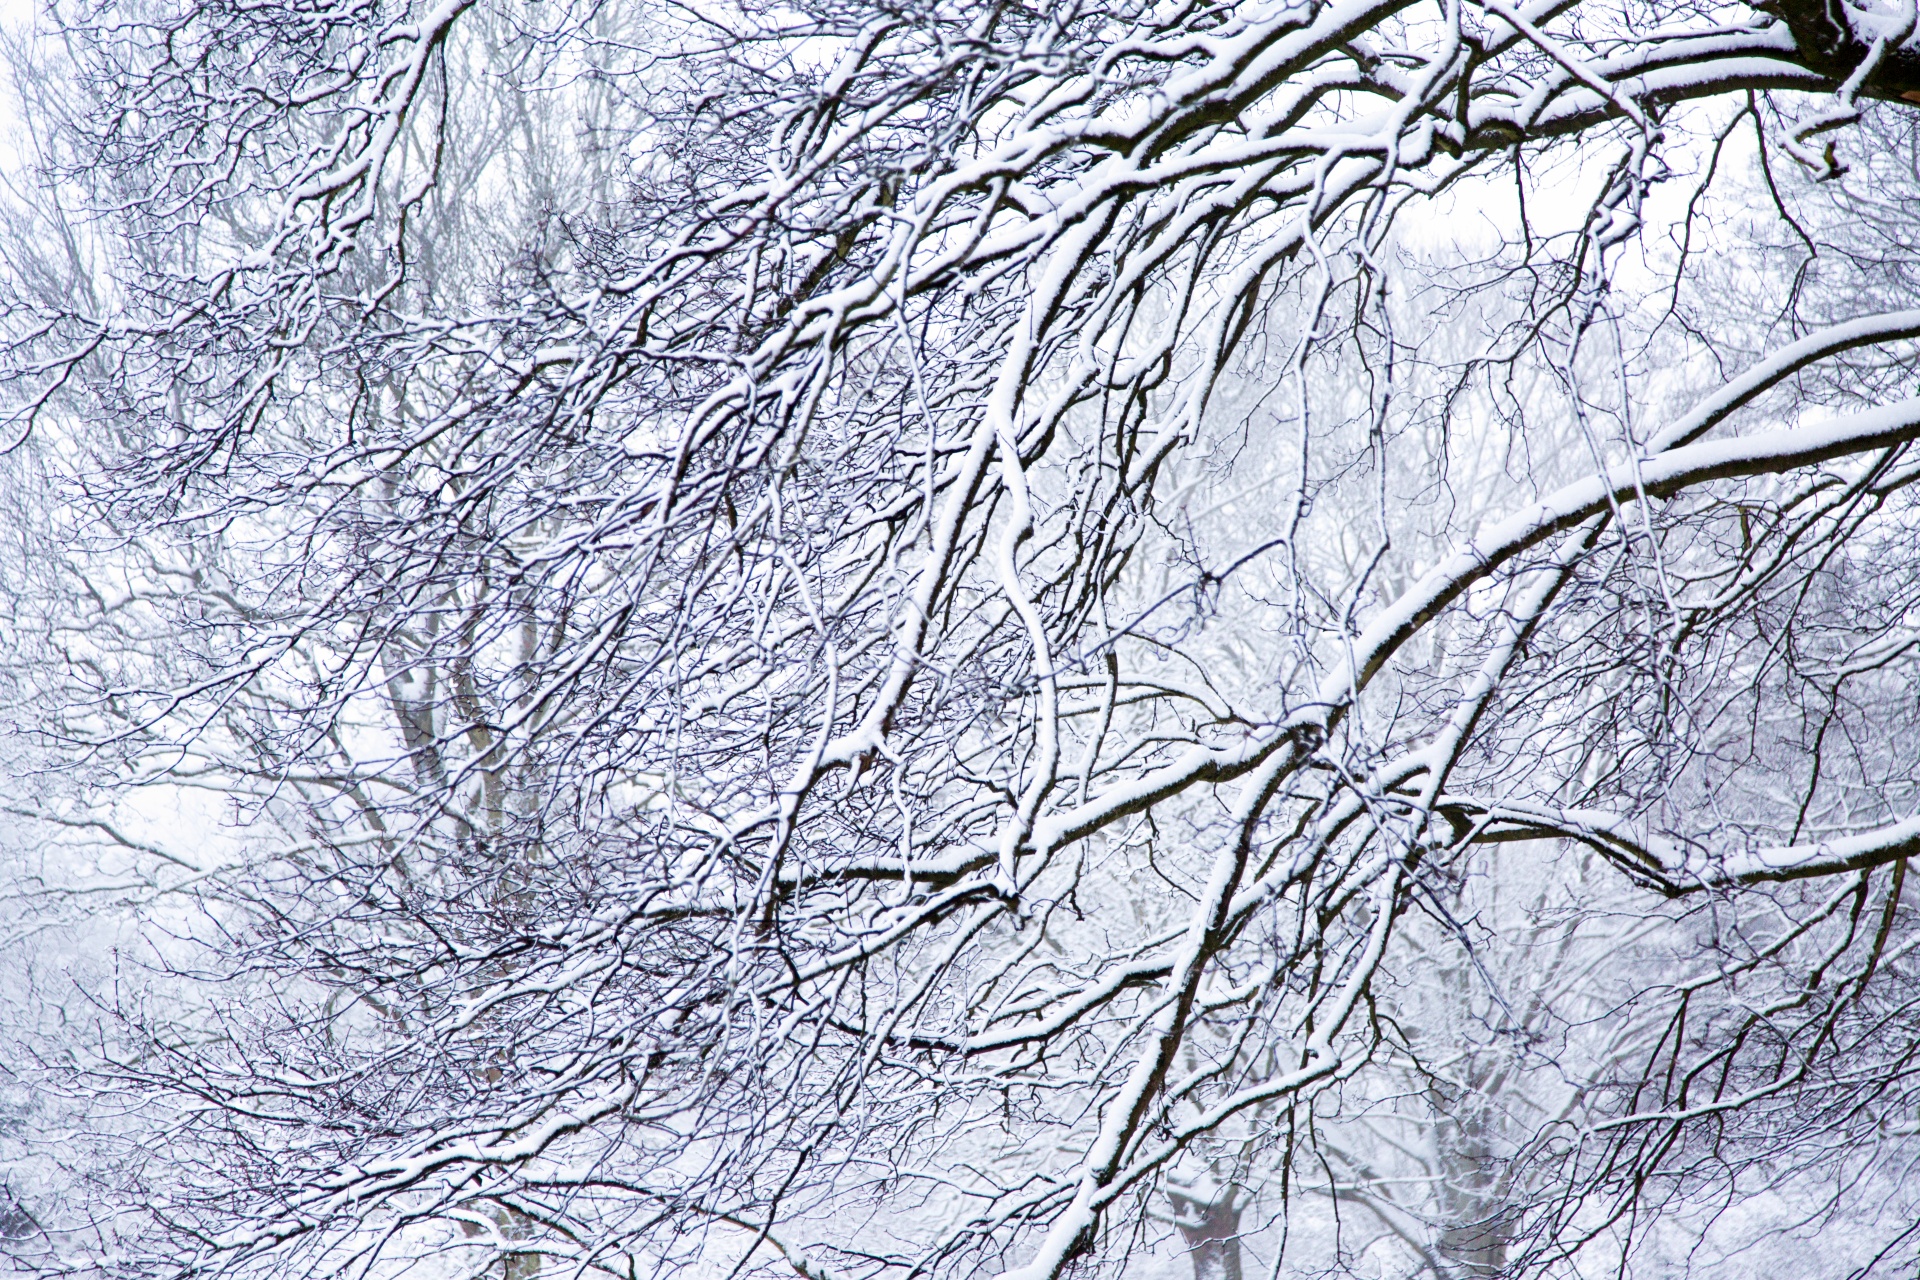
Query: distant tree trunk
(514,1225)
(1476,1250)
(1211,1227)
(1478,1224)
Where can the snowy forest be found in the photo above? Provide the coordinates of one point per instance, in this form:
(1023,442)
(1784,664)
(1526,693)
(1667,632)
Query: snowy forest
(959,639)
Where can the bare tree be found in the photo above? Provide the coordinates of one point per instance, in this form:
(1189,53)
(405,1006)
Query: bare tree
(845,636)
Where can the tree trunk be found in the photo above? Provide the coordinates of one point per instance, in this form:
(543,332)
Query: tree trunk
(1211,1228)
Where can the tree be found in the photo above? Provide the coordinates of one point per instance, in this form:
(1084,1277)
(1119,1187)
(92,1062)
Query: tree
(846,636)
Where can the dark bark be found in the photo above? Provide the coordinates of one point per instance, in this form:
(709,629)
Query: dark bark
(1828,43)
